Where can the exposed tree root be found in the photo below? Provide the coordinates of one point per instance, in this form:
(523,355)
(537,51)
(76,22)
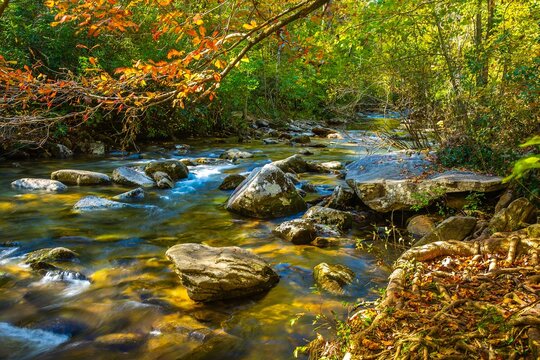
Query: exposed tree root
(474,300)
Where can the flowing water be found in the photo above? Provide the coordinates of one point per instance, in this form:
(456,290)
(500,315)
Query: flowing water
(130,286)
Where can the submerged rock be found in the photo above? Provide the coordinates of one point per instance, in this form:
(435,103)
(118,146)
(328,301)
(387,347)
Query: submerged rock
(129,176)
(269,141)
(89,203)
(175,169)
(231,182)
(80,177)
(307,187)
(397,181)
(39,185)
(453,228)
(135,194)
(301,139)
(58,254)
(266,193)
(211,274)
(516,216)
(331,217)
(332,278)
(120,341)
(322,131)
(233,154)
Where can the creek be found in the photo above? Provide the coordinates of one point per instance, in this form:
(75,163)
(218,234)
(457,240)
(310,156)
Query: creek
(130,285)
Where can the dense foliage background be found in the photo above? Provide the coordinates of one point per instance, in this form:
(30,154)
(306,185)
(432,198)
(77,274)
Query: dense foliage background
(464,73)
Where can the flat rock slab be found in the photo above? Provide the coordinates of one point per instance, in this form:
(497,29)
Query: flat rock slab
(129,176)
(266,193)
(33,184)
(211,274)
(80,177)
(401,180)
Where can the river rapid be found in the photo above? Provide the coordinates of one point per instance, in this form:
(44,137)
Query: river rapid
(130,286)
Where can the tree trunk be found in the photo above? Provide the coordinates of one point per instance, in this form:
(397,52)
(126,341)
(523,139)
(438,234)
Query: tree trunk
(3,6)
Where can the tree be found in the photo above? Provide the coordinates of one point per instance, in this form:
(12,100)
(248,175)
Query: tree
(205,41)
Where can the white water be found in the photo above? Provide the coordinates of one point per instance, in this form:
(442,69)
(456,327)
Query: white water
(22,343)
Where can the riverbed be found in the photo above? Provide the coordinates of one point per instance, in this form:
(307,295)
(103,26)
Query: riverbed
(130,285)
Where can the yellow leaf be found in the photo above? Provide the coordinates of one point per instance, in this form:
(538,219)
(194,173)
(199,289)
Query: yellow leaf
(251,25)
(103,77)
(49,3)
(219,64)
(245,59)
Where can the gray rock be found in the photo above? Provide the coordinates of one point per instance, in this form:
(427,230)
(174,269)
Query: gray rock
(453,228)
(397,181)
(306,152)
(269,141)
(504,200)
(211,274)
(34,184)
(188,162)
(175,169)
(332,278)
(293,164)
(58,254)
(332,165)
(231,182)
(233,154)
(129,176)
(266,193)
(209,161)
(322,131)
(60,151)
(135,194)
(307,187)
(331,217)
(80,177)
(90,203)
(517,215)
(298,231)
(421,225)
(96,148)
(342,198)
(294,179)
(163,180)
(301,139)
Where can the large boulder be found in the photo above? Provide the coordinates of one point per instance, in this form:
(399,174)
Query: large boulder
(130,176)
(231,182)
(516,216)
(90,203)
(331,217)
(211,274)
(80,177)
(332,278)
(453,228)
(34,184)
(176,169)
(401,180)
(266,193)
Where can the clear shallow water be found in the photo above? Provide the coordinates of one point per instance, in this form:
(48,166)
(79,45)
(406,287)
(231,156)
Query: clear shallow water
(131,286)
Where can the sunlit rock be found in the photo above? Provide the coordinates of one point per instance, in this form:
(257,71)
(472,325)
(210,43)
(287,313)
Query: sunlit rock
(332,278)
(129,176)
(266,193)
(176,169)
(331,217)
(80,177)
(401,180)
(39,185)
(211,274)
